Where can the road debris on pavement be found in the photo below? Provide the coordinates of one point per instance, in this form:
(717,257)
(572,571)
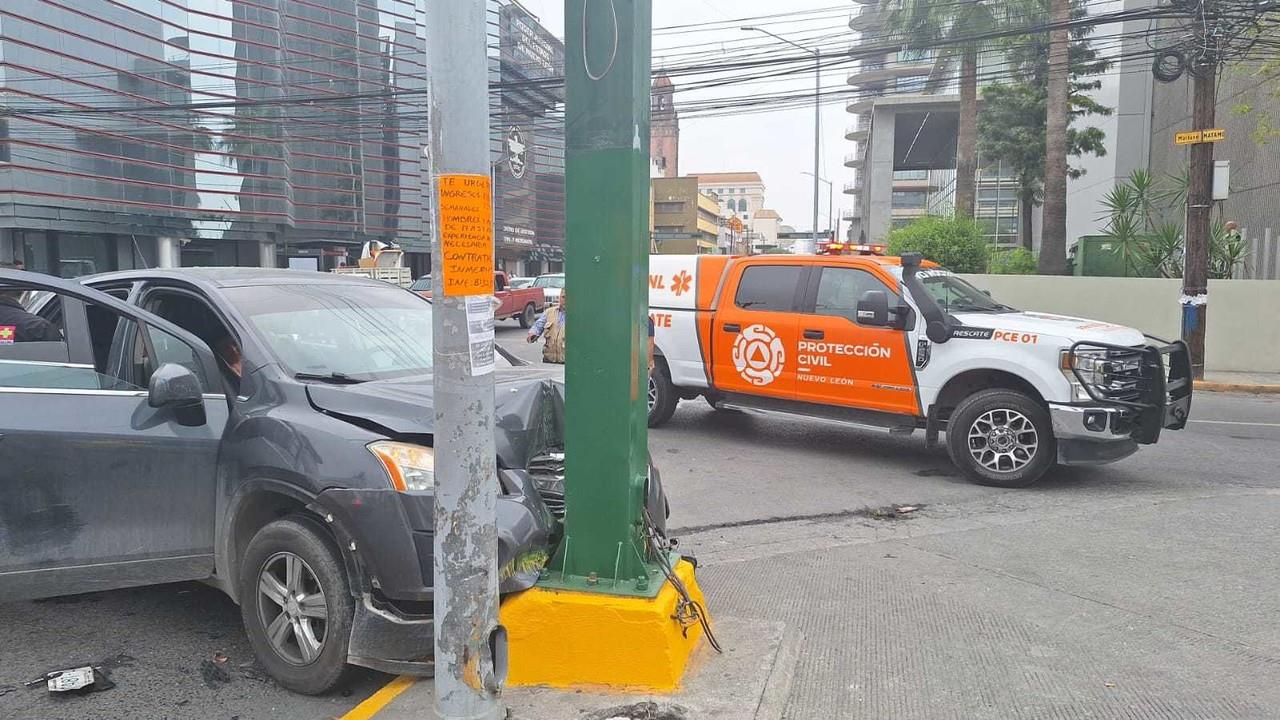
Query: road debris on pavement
(641,711)
(86,679)
(890,512)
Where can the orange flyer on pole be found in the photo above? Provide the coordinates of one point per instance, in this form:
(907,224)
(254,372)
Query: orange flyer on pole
(466,234)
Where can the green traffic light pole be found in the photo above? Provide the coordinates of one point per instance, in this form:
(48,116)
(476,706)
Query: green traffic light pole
(607,66)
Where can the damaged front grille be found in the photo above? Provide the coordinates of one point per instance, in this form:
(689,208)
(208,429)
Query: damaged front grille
(547,471)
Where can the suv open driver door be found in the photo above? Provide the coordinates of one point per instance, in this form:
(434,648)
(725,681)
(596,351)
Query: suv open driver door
(108,448)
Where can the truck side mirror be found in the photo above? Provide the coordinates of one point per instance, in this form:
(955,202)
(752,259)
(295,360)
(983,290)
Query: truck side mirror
(873,308)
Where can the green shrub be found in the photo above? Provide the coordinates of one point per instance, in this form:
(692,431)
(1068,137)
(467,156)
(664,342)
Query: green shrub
(955,243)
(1015,261)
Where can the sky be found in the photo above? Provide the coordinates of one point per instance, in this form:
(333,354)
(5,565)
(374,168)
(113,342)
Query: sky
(778,144)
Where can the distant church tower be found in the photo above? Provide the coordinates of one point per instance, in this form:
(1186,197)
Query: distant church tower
(664,127)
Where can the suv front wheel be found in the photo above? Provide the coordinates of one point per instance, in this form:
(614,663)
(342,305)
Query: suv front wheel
(1001,438)
(296,604)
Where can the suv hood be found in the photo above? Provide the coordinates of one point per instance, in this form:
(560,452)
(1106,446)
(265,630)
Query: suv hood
(1071,328)
(529,415)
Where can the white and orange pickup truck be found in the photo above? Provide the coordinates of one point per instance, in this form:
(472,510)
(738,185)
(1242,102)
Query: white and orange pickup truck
(900,344)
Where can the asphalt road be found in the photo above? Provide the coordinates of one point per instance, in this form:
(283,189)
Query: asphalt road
(1101,587)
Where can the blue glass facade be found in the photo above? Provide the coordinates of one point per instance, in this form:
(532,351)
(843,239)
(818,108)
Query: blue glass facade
(226,124)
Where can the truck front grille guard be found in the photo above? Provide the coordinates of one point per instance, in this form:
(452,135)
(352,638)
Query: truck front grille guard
(1154,380)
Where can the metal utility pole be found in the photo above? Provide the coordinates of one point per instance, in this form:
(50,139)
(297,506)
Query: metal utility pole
(1195,271)
(831,201)
(817,124)
(467,634)
(607,85)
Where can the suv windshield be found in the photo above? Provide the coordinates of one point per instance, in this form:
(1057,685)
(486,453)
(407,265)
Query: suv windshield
(348,332)
(956,295)
(549,281)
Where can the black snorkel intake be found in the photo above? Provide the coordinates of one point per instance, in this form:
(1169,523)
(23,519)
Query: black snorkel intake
(937,323)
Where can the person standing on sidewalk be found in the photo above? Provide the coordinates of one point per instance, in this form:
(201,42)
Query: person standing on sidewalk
(551,325)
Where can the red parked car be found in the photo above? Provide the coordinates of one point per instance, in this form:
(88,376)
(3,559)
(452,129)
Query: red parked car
(523,304)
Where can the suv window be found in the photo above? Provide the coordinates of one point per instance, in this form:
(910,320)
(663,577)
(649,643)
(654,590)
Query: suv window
(193,314)
(768,287)
(48,365)
(839,290)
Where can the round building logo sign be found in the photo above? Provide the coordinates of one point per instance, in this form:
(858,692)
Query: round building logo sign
(758,355)
(516,152)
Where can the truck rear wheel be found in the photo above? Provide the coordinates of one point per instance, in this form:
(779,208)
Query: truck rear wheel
(1001,438)
(662,395)
(528,317)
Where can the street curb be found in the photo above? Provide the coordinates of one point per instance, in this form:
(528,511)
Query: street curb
(1237,388)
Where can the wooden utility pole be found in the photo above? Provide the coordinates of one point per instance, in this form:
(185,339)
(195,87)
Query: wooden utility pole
(1195,270)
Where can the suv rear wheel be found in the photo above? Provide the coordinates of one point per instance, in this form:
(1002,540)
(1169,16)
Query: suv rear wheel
(1001,438)
(296,604)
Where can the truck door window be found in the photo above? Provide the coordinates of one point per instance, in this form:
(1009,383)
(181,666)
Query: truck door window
(768,288)
(840,288)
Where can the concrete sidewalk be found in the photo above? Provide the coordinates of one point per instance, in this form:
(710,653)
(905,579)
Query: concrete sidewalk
(1150,606)
(1257,383)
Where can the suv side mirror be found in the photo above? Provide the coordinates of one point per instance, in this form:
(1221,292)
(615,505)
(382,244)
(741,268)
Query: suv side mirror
(177,387)
(873,308)
(174,386)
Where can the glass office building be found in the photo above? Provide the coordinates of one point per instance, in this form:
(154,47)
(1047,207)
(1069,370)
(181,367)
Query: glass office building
(221,132)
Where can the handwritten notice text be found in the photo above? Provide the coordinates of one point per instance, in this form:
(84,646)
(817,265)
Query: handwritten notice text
(466,234)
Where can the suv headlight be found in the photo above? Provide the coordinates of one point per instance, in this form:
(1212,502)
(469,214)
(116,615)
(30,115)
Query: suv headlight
(409,467)
(1090,364)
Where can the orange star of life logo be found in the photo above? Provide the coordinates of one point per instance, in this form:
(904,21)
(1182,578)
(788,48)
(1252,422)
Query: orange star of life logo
(6,334)
(681,283)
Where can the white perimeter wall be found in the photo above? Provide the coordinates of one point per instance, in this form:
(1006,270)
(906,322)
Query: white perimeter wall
(1244,315)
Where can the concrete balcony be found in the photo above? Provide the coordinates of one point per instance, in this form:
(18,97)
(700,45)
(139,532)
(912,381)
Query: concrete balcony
(853,160)
(850,213)
(866,19)
(861,104)
(852,188)
(876,73)
(856,131)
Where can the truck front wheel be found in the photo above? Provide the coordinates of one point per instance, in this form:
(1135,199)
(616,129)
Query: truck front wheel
(1001,438)
(662,395)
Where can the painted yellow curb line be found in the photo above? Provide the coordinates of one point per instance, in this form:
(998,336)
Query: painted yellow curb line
(1237,387)
(379,700)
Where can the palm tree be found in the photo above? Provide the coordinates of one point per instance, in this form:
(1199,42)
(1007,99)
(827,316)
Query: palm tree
(1053,231)
(951,27)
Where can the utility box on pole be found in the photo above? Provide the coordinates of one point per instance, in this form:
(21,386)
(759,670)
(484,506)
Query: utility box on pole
(470,646)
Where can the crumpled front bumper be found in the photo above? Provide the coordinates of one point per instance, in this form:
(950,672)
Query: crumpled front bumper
(388,540)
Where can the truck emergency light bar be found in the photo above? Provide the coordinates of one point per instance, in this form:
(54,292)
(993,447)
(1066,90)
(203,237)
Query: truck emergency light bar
(836,248)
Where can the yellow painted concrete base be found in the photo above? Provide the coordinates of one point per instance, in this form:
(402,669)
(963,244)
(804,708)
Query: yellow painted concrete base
(563,639)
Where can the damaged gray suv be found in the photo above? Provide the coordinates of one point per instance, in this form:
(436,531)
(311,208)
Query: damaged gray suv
(269,432)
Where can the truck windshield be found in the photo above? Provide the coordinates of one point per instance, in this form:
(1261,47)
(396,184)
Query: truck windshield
(956,295)
(354,333)
(549,281)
